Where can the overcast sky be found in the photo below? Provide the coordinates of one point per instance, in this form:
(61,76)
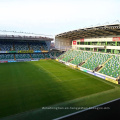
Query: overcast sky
(52,17)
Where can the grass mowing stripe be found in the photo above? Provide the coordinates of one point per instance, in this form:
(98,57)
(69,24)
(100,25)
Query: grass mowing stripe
(49,72)
(107,82)
(48,114)
(26,86)
(74,79)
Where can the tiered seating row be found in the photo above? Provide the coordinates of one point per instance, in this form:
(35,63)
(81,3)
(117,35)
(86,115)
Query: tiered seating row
(63,55)
(35,46)
(36,56)
(112,67)
(6,56)
(16,46)
(21,46)
(6,46)
(95,60)
(58,54)
(111,63)
(22,56)
(81,57)
(71,55)
(25,56)
(55,54)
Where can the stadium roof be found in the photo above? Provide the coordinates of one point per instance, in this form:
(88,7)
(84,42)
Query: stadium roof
(22,36)
(104,30)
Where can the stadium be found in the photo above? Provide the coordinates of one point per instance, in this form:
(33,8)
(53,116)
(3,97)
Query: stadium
(81,72)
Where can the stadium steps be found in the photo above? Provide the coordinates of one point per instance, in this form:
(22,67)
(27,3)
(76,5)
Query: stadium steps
(72,58)
(81,57)
(86,60)
(42,48)
(31,57)
(64,55)
(14,57)
(118,77)
(98,68)
(55,54)
(44,56)
(51,56)
(89,58)
(28,46)
(103,65)
(13,46)
(80,64)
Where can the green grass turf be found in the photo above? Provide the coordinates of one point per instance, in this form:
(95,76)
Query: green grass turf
(30,85)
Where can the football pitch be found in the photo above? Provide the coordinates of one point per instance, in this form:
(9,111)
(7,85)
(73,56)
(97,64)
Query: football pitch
(32,89)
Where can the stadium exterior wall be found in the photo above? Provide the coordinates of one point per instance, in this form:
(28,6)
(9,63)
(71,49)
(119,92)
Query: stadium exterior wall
(110,39)
(62,43)
(101,38)
(96,46)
